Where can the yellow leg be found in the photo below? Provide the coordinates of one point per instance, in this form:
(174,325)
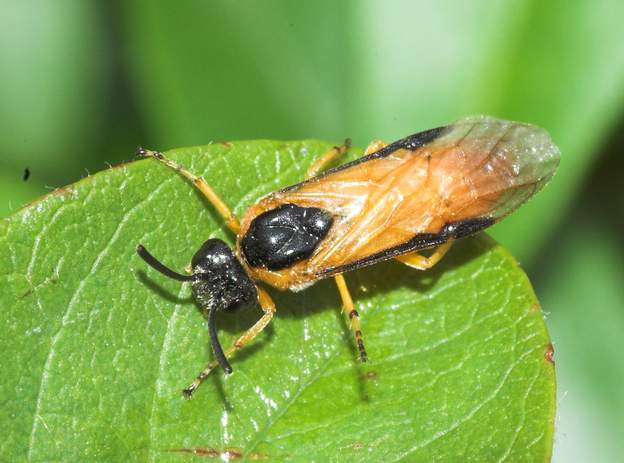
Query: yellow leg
(374,146)
(200,183)
(347,302)
(349,310)
(419,262)
(331,155)
(268,307)
(336,152)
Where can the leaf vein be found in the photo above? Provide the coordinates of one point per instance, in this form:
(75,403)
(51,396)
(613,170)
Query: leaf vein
(70,306)
(468,416)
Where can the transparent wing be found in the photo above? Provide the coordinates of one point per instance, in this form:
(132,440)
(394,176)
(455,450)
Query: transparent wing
(404,197)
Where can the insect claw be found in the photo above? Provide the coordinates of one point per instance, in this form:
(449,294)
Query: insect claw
(188,392)
(140,151)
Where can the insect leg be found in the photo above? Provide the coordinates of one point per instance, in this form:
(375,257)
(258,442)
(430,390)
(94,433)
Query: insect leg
(338,151)
(268,307)
(349,310)
(420,262)
(327,158)
(374,146)
(201,185)
(347,302)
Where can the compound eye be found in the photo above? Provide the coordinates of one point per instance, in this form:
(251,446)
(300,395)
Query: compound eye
(278,238)
(212,252)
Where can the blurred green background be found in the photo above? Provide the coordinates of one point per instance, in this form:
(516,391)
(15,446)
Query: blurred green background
(82,83)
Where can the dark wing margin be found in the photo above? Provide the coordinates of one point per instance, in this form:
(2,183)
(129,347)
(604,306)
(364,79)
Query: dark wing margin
(453,230)
(411,143)
(456,181)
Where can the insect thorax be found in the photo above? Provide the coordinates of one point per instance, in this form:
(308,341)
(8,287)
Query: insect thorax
(280,237)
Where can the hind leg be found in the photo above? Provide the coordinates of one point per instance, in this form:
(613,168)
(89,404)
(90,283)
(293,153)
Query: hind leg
(421,262)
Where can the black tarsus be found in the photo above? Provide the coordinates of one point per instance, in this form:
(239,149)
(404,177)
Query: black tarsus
(26,174)
(214,341)
(140,151)
(157,265)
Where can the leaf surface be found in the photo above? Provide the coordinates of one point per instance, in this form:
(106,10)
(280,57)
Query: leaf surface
(97,347)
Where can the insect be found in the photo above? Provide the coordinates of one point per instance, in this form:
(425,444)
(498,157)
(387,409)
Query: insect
(423,191)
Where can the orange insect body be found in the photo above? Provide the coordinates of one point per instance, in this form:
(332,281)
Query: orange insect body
(474,171)
(420,192)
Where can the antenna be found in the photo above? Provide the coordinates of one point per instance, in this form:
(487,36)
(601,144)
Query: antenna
(214,341)
(212,328)
(157,265)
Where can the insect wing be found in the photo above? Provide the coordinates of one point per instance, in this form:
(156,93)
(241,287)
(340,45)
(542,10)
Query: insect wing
(420,190)
(482,167)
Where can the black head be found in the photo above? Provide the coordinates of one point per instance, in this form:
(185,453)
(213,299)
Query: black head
(278,238)
(219,283)
(220,279)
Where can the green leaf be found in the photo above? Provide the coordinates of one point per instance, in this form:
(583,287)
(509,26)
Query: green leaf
(97,346)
